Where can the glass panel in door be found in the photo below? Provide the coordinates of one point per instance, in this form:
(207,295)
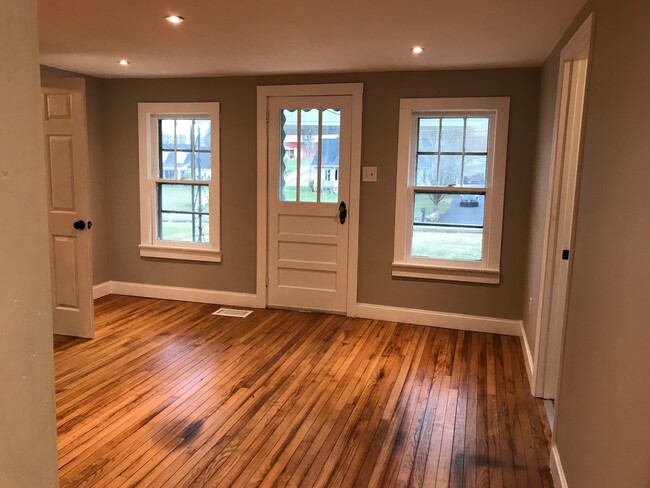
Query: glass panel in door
(309,155)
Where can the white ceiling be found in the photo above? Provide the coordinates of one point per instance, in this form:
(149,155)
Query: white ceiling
(236,37)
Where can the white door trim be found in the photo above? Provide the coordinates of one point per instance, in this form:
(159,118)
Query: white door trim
(355,90)
(579,47)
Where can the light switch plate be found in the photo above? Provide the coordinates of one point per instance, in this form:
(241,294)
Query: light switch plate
(369,174)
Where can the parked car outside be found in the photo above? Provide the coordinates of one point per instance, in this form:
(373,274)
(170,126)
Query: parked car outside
(469,200)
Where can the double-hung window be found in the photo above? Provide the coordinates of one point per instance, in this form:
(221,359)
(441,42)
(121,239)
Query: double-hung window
(450,188)
(179,180)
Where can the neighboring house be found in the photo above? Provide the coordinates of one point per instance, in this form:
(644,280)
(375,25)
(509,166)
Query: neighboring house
(184,164)
(308,134)
(329,164)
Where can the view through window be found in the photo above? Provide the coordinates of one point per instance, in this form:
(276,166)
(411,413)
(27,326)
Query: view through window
(310,146)
(451,157)
(183,193)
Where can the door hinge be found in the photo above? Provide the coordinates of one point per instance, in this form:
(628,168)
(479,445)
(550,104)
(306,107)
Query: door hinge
(267,115)
(266,280)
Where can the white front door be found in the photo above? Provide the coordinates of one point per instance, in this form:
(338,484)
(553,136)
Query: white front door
(66,158)
(309,151)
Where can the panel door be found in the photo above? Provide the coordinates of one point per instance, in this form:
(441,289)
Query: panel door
(309,184)
(66,159)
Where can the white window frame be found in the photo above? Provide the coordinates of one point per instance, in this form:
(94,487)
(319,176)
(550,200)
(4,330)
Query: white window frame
(150,245)
(488,269)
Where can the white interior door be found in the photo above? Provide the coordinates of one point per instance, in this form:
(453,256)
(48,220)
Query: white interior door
(66,157)
(309,150)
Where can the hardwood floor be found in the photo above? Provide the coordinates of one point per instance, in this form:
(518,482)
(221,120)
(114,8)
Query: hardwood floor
(168,395)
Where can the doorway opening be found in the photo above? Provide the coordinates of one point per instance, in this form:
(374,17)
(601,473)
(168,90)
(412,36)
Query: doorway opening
(561,211)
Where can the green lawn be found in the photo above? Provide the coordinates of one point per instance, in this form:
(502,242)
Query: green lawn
(431,211)
(178,227)
(308,195)
(306,174)
(445,243)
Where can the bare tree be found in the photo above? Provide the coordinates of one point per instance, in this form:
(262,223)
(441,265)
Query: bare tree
(308,143)
(437,170)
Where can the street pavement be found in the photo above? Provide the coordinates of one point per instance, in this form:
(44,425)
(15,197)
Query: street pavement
(463,215)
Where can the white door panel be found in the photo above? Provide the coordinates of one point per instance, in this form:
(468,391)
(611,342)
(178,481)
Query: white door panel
(66,158)
(309,176)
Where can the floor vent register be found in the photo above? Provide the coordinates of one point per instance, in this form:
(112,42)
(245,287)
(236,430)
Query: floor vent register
(232,312)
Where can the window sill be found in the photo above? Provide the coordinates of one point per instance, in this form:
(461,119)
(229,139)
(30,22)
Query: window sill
(180,253)
(427,272)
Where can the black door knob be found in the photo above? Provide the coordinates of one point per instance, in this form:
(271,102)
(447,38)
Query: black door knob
(343,212)
(79,225)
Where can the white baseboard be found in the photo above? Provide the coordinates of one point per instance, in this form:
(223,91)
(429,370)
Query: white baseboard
(176,293)
(440,319)
(102,289)
(528,358)
(363,310)
(559,480)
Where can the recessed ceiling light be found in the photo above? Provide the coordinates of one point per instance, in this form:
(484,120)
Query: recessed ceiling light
(124,62)
(174,19)
(417,50)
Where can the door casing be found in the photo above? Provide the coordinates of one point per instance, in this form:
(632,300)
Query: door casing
(355,90)
(562,206)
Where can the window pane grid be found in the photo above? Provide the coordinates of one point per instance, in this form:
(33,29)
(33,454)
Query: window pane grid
(309,155)
(182,183)
(183,212)
(448,225)
(448,199)
(174,147)
(453,147)
(445,226)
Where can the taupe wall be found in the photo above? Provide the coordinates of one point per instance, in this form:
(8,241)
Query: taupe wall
(539,194)
(379,148)
(603,417)
(27,421)
(602,414)
(98,187)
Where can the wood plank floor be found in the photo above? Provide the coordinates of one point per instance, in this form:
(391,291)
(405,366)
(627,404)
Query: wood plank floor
(168,395)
